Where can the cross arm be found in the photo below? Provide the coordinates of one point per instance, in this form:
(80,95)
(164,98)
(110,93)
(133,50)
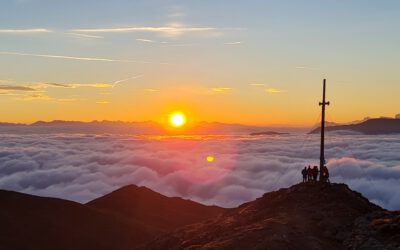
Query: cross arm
(324,103)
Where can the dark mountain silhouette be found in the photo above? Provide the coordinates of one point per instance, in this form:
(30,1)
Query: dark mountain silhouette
(305,216)
(153,211)
(121,220)
(32,222)
(269,133)
(370,127)
(329,124)
(143,128)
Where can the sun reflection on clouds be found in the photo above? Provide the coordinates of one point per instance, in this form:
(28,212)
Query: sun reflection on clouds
(82,167)
(210,158)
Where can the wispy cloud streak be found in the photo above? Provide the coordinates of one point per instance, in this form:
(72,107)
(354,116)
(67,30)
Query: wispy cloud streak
(17,88)
(221,89)
(126,79)
(163,29)
(22,31)
(273,91)
(233,43)
(84,35)
(145,40)
(173,30)
(96,59)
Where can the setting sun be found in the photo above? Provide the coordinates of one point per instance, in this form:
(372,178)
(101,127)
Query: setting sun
(177,119)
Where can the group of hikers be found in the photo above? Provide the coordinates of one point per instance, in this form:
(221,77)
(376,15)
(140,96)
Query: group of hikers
(311,174)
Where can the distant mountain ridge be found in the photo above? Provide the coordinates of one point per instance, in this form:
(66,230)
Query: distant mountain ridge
(370,127)
(121,127)
(269,133)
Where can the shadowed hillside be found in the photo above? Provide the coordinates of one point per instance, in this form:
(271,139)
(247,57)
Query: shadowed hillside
(304,216)
(120,220)
(301,217)
(155,212)
(31,222)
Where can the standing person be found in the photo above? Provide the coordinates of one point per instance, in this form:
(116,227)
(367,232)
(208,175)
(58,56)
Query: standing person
(326,175)
(315,173)
(304,173)
(309,173)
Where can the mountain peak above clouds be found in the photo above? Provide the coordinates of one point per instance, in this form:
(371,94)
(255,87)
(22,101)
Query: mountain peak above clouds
(370,127)
(306,216)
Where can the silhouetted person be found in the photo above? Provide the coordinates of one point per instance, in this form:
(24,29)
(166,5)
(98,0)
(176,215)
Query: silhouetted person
(325,174)
(309,174)
(304,173)
(315,173)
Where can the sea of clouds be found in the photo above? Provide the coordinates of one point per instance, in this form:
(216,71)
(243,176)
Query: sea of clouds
(84,167)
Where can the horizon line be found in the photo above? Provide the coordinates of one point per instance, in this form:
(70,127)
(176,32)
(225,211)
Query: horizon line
(157,122)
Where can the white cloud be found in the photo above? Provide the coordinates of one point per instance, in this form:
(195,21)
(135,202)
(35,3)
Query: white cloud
(16,88)
(150,90)
(221,89)
(233,43)
(145,40)
(24,31)
(172,30)
(84,35)
(38,86)
(115,83)
(83,167)
(273,91)
(306,68)
(34,97)
(102,102)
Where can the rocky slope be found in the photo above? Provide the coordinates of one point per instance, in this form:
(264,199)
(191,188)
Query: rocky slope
(305,216)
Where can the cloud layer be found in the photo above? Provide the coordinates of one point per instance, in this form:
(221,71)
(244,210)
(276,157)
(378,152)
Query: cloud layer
(83,167)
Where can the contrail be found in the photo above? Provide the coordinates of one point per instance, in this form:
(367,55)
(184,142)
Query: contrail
(124,80)
(74,58)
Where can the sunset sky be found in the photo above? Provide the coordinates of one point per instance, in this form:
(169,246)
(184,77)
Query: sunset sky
(258,62)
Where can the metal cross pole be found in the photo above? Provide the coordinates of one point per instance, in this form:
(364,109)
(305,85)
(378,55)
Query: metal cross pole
(322,153)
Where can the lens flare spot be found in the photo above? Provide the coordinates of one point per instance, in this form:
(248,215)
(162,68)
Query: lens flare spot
(210,158)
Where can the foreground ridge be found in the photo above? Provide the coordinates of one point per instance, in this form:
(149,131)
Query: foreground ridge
(304,216)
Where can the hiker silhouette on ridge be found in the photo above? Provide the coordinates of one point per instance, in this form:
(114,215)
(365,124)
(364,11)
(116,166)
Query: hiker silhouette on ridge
(304,173)
(325,174)
(315,173)
(309,174)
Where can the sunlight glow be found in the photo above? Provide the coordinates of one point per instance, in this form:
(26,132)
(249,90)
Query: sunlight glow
(177,119)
